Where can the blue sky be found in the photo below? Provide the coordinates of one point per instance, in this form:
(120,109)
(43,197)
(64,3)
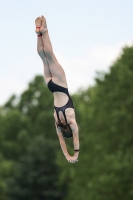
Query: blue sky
(87,36)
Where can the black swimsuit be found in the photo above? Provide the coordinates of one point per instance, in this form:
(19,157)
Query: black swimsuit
(57,88)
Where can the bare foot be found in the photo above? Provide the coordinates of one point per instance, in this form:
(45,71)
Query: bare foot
(44,25)
(38,23)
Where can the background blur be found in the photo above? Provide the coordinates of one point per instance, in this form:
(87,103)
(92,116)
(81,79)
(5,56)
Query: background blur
(87,37)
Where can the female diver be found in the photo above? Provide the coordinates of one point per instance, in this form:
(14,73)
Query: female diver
(65,122)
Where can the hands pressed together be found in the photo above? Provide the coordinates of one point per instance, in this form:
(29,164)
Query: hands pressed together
(72,159)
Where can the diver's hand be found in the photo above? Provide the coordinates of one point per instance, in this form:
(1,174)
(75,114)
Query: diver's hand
(72,159)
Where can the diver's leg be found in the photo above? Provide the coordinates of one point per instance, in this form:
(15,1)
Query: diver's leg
(58,74)
(40,50)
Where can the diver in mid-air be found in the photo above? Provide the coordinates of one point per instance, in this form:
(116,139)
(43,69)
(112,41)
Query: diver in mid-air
(65,122)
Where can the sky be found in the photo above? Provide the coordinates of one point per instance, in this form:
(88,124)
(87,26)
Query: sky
(87,36)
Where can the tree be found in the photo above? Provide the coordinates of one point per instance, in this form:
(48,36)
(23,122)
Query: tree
(104,113)
(105,163)
(6,170)
(23,121)
(36,174)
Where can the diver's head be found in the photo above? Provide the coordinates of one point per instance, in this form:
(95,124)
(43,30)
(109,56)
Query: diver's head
(65,129)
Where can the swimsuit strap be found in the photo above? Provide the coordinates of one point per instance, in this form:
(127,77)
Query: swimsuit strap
(65,116)
(63,111)
(58,116)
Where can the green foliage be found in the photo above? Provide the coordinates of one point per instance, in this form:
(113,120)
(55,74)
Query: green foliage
(6,170)
(105,164)
(34,166)
(114,95)
(22,122)
(36,173)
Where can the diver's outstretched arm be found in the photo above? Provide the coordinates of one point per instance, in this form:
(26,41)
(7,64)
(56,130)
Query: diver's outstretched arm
(75,131)
(71,159)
